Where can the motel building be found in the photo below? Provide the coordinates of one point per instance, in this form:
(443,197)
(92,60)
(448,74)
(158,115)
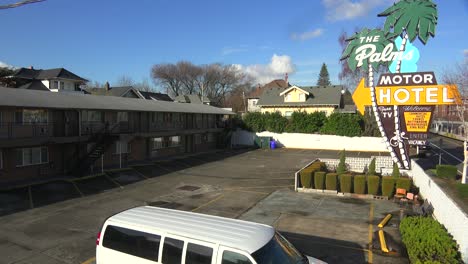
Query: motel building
(45,135)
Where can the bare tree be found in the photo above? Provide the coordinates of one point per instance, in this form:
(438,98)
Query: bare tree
(190,76)
(144,86)
(20,3)
(125,80)
(168,76)
(459,77)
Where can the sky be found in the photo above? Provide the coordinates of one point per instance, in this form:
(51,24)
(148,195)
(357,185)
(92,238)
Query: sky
(107,39)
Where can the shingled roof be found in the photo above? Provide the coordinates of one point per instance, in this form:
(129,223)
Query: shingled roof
(113,91)
(319,95)
(58,73)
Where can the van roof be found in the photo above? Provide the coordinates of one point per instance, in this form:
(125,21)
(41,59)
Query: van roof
(243,235)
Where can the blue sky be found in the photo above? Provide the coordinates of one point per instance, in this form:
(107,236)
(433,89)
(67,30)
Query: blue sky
(104,40)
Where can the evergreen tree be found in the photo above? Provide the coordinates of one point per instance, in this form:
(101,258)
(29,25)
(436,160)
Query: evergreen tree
(396,171)
(372,167)
(324,77)
(342,164)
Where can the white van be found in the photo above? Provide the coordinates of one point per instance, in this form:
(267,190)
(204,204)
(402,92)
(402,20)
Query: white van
(157,235)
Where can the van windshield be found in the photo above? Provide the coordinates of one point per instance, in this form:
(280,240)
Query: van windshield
(279,251)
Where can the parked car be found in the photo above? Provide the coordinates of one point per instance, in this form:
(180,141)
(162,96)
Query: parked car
(426,146)
(157,235)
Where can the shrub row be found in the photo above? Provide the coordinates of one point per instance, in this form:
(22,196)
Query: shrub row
(427,241)
(447,171)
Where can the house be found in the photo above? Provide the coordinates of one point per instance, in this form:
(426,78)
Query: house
(192,99)
(254,96)
(44,135)
(53,80)
(309,99)
(156,96)
(122,91)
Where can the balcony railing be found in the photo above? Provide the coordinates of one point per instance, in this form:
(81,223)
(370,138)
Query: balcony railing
(13,130)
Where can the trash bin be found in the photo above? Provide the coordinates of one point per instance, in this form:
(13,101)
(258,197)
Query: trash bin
(272,144)
(265,142)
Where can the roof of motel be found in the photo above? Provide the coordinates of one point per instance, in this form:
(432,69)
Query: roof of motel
(62,100)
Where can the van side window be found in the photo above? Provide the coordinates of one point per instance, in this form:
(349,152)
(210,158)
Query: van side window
(132,242)
(230,257)
(172,251)
(197,254)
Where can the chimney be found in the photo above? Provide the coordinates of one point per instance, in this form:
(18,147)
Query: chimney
(107,86)
(31,67)
(286,78)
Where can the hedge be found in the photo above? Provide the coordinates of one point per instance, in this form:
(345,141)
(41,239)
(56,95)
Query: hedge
(360,184)
(330,181)
(388,185)
(403,183)
(373,184)
(371,167)
(319,178)
(306,178)
(427,241)
(346,183)
(447,171)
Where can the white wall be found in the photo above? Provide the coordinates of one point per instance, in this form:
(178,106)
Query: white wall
(446,211)
(313,141)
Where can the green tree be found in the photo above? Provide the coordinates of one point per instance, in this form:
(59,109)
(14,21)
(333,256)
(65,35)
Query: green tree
(370,125)
(372,167)
(395,171)
(324,77)
(343,124)
(342,164)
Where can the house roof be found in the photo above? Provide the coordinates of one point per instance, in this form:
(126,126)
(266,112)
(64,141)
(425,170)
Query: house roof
(58,73)
(192,99)
(280,83)
(34,85)
(292,88)
(319,95)
(114,91)
(156,96)
(41,99)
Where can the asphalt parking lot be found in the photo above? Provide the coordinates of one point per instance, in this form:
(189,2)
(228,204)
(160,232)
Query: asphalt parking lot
(253,185)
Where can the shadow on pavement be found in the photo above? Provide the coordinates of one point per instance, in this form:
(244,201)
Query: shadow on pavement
(52,192)
(327,249)
(13,201)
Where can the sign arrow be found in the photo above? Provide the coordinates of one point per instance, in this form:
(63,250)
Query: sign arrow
(362,96)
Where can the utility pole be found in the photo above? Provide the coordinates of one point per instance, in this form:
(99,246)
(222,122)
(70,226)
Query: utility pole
(440,151)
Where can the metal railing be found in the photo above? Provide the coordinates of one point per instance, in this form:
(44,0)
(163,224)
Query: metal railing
(11,130)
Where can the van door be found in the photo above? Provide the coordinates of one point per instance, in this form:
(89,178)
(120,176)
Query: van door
(124,245)
(228,255)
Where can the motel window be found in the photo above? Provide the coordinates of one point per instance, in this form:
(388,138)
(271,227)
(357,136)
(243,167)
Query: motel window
(156,117)
(210,137)
(199,120)
(122,116)
(28,116)
(157,143)
(91,116)
(31,156)
(55,84)
(167,117)
(174,141)
(122,147)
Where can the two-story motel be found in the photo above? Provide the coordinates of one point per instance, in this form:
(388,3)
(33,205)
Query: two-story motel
(44,134)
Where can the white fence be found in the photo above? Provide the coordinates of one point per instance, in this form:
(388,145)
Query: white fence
(313,141)
(446,211)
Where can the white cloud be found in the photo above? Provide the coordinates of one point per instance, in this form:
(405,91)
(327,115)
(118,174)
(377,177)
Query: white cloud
(307,35)
(4,65)
(347,9)
(229,50)
(278,66)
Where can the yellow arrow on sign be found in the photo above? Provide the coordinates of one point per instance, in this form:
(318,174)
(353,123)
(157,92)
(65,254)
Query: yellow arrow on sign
(442,94)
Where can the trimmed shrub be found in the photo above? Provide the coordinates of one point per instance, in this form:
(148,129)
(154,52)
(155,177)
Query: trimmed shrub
(388,186)
(427,241)
(371,167)
(342,165)
(403,183)
(395,171)
(373,184)
(346,183)
(330,181)
(320,165)
(446,171)
(360,184)
(462,190)
(306,179)
(319,179)
(343,124)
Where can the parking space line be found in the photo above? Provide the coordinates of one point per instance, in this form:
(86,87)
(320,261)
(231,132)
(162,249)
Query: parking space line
(112,180)
(371,219)
(77,189)
(89,261)
(31,204)
(208,203)
(260,187)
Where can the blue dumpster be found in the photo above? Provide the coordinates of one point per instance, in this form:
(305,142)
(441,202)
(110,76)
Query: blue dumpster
(272,144)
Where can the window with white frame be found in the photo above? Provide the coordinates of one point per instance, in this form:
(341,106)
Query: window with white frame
(302,97)
(174,141)
(31,156)
(157,143)
(122,116)
(122,147)
(287,98)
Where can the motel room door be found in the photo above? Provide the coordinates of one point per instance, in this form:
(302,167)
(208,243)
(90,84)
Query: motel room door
(189,144)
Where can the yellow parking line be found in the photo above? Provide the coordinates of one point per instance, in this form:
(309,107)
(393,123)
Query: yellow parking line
(371,218)
(208,203)
(89,261)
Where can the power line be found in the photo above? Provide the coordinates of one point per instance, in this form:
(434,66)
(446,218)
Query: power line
(20,3)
